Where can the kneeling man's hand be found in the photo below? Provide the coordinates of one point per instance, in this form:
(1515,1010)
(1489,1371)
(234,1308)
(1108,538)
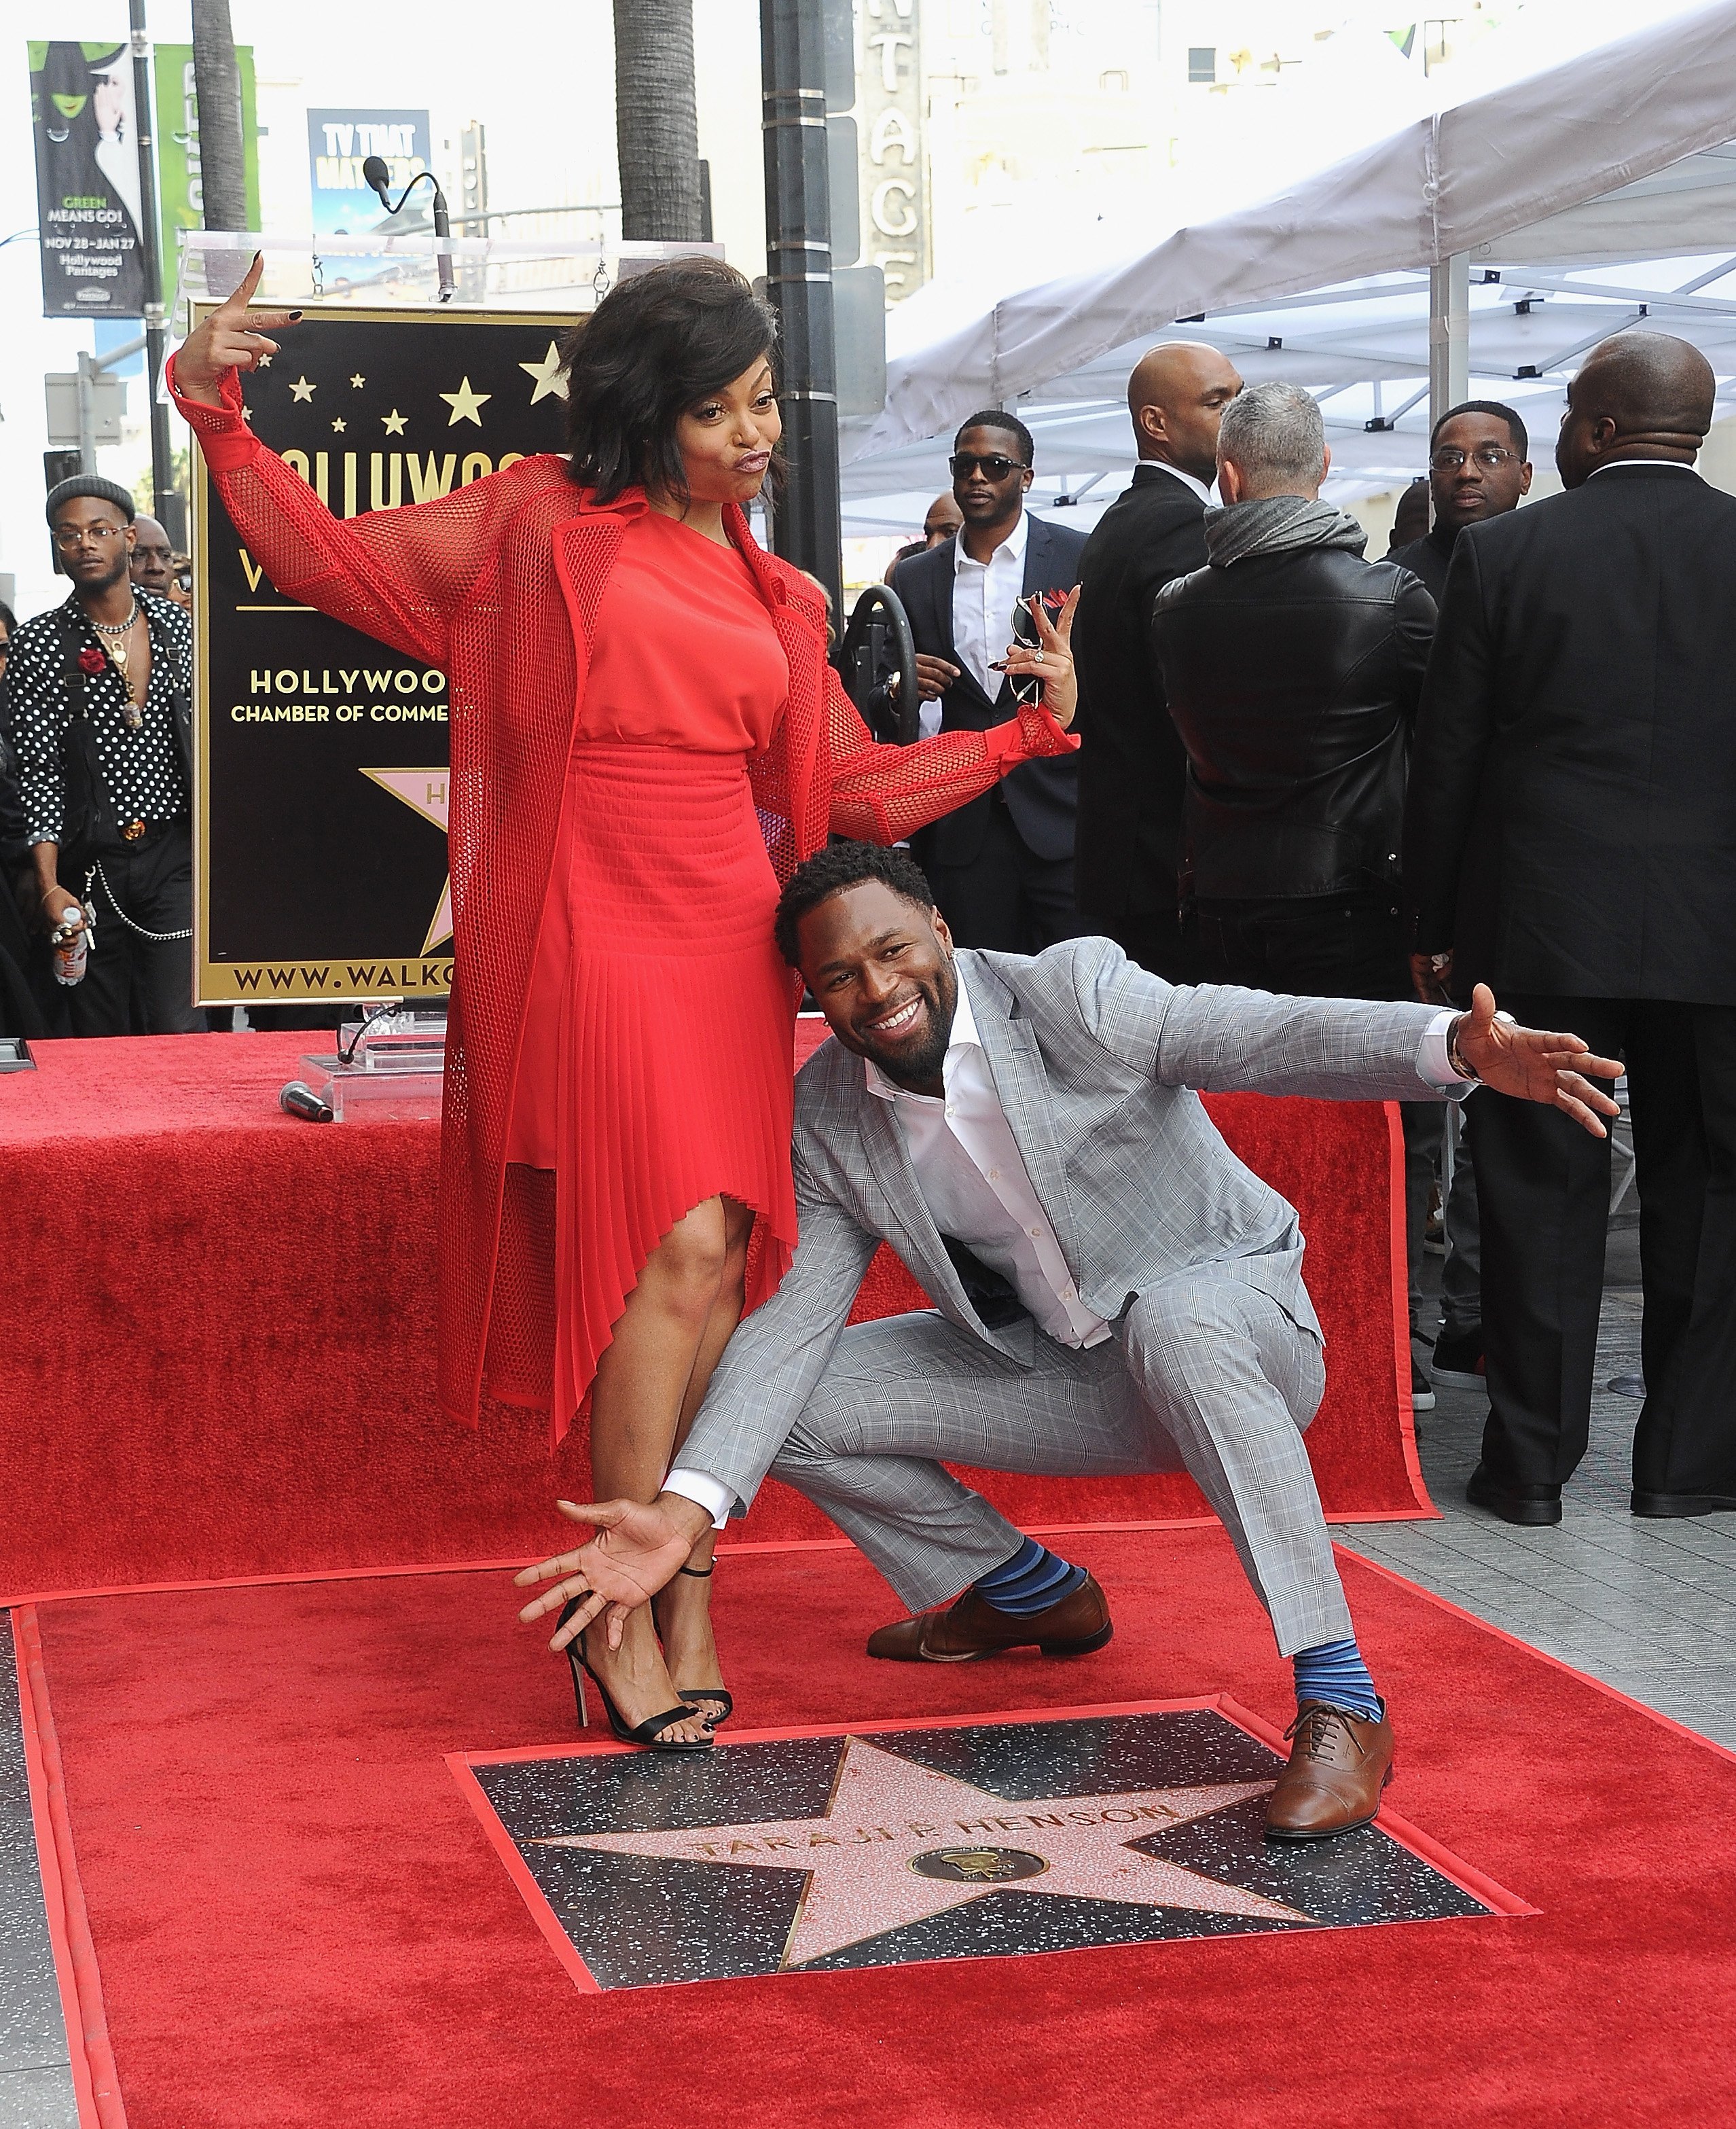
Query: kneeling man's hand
(636,1549)
(1534,1066)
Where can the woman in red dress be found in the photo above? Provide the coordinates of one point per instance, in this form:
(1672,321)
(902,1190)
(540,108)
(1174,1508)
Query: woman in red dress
(646,736)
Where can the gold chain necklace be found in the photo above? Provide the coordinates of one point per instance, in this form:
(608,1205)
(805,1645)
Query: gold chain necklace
(114,633)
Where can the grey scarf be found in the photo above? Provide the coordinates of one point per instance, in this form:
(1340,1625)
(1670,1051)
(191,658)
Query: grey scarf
(1278,525)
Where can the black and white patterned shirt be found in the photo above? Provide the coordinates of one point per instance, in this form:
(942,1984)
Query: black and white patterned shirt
(141,769)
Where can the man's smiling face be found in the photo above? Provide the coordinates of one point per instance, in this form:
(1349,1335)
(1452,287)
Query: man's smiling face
(881,969)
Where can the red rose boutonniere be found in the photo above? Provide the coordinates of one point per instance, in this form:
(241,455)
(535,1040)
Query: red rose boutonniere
(91,661)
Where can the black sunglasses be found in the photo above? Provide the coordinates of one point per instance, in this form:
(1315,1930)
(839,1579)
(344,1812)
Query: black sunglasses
(995,464)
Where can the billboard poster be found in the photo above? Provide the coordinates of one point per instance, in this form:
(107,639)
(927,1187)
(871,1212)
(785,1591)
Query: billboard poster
(339,142)
(88,191)
(179,188)
(321,756)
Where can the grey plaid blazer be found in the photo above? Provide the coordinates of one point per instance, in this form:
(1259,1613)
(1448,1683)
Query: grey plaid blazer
(1096,1062)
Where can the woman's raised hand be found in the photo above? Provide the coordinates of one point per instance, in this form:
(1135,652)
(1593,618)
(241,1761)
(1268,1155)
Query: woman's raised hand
(231,338)
(1049,658)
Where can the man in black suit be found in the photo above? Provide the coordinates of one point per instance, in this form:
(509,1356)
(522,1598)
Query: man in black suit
(1479,468)
(1133,769)
(1572,837)
(1002,866)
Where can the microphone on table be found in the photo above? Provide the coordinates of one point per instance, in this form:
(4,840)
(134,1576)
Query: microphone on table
(376,175)
(298,1099)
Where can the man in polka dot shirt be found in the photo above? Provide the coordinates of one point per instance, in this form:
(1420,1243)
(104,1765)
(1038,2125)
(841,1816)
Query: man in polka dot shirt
(98,693)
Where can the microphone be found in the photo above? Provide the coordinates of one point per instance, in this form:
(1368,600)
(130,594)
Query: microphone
(298,1099)
(376,175)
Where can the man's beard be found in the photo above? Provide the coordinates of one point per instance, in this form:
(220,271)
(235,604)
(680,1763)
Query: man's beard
(941,998)
(95,587)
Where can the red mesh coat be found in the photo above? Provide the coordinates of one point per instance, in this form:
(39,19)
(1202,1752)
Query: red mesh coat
(499,585)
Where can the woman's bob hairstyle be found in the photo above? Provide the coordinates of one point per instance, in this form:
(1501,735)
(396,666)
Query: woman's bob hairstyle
(653,346)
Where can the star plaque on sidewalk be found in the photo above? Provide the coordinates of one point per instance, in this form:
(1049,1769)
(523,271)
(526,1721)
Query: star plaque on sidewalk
(883,1847)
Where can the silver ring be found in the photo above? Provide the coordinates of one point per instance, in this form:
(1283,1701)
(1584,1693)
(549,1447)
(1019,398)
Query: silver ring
(1036,657)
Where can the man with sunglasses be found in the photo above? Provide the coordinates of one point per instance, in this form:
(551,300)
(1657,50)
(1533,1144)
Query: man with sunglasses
(1002,866)
(98,693)
(1478,469)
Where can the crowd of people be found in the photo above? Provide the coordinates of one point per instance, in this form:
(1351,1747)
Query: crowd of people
(1305,772)
(1234,807)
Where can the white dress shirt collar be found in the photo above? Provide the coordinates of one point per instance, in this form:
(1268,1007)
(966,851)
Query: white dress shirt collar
(1013,545)
(1615,465)
(1208,496)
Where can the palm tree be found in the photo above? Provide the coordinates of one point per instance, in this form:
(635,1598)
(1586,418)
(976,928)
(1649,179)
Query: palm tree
(222,164)
(656,127)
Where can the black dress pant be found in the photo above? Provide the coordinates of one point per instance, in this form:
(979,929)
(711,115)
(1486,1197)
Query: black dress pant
(1544,1188)
(1008,900)
(1349,946)
(135,984)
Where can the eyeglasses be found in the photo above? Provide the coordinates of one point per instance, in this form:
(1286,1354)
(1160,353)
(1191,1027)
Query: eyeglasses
(994,464)
(1491,457)
(74,535)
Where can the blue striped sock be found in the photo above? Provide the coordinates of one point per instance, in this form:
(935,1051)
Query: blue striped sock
(1032,1579)
(1334,1673)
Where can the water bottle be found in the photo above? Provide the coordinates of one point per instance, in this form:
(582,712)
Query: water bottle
(70,939)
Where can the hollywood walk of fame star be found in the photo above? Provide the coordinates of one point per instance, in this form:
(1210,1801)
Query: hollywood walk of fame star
(394,423)
(548,375)
(901,1843)
(357,382)
(466,405)
(424,791)
(339,426)
(302,389)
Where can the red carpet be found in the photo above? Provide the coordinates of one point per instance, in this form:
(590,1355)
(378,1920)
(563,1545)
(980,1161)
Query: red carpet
(298,1920)
(216,1334)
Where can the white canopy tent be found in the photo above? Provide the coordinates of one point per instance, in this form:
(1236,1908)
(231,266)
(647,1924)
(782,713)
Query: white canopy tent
(1489,243)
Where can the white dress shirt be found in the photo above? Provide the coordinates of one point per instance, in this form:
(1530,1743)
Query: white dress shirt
(984,594)
(977,1189)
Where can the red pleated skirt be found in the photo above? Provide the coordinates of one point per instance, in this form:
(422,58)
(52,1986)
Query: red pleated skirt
(655,1069)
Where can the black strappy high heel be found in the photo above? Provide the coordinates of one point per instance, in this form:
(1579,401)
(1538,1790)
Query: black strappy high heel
(724,1701)
(649,1733)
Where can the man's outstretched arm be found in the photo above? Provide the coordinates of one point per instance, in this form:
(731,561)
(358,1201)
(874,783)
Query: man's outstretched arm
(1221,1040)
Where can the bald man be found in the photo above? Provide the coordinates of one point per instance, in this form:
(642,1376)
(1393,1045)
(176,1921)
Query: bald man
(1132,769)
(152,564)
(1570,838)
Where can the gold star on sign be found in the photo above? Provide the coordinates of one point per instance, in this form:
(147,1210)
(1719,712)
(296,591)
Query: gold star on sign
(263,362)
(548,374)
(357,382)
(394,423)
(302,389)
(337,427)
(466,405)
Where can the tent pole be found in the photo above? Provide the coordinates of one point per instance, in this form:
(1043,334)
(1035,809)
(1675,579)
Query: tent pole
(1449,334)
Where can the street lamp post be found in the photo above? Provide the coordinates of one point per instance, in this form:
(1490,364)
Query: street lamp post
(806,515)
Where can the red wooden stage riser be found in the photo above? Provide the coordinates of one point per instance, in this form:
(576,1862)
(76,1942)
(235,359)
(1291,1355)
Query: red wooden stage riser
(234,1379)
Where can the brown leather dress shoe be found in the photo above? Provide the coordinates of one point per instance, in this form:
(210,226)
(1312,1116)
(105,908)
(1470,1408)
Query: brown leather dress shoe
(1339,1765)
(969,1627)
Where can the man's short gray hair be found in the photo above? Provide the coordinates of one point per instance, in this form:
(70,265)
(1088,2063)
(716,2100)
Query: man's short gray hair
(1274,432)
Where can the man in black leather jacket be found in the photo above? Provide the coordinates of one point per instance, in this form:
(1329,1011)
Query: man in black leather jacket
(1292,669)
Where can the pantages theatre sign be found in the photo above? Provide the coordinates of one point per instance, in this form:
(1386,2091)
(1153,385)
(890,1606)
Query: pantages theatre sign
(320,845)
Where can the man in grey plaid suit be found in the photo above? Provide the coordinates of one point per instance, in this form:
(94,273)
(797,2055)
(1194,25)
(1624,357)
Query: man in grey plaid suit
(1113,1290)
